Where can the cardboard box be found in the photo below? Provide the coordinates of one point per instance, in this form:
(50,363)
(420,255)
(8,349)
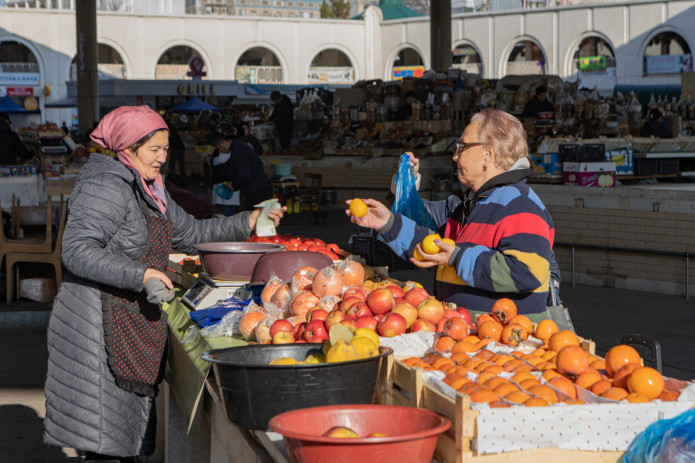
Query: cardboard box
(547,164)
(624,162)
(589,173)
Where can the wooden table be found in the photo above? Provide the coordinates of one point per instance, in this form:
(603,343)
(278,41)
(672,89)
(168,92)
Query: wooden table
(59,187)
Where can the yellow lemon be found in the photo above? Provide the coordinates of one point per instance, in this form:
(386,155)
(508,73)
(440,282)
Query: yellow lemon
(358,208)
(283,361)
(314,359)
(428,245)
(449,241)
(417,255)
(369,334)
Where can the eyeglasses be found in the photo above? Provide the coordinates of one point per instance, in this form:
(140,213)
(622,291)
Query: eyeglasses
(461,147)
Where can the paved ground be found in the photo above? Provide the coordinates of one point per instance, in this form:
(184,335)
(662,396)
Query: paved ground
(601,314)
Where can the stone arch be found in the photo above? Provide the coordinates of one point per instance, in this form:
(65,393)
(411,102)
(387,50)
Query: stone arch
(269,69)
(470,66)
(397,52)
(347,60)
(511,52)
(656,39)
(110,63)
(30,48)
(180,70)
(569,66)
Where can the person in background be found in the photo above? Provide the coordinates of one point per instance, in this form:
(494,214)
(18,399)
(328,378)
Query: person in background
(656,125)
(12,149)
(283,117)
(107,334)
(538,104)
(503,233)
(64,128)
(405,112)
(177,150)
(245,135)
(239,168)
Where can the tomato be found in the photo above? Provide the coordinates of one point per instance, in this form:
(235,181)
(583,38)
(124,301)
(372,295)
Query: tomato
(333,247)
(330,254)
(290,248)
(302,247)
(309,242)
(315,248)
(294,242)
(276,239)
(319,242)
(288,236)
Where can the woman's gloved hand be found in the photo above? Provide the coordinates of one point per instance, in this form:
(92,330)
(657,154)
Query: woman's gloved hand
(157,292)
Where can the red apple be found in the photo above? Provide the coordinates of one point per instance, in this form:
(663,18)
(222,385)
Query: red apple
(466,315)
(456,328)
(362,310)
(396,300)
(423,325)
(351,312)
(415,296)
(334,317)
(280,325)
(298,331)
(316,331)
(380,301)
(355,291)
(396,290)
(366,322)
(283,337)
(430,310)
(352,326)
(317,314)
(393,324)
(378,317)
(348,302)
(408,311)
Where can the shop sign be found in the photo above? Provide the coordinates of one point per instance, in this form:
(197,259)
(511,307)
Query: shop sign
(31,103)
(195,66)
(465,51)
(668,64)
(399,72)
(326,75)
(20,91)
(592,63)
(28,79)
(196,89)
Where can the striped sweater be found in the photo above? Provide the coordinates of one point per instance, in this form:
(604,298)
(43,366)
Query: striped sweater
(504,237)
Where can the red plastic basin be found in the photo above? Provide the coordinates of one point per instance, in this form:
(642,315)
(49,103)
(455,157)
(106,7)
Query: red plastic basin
(411,434)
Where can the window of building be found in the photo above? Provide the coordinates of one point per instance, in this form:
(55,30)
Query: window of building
(309,5)
(290,15)
(290,3)
(594,55)
(253,12)
(278,3)
(265,12)
(265,2)
(667,53)
(300,4)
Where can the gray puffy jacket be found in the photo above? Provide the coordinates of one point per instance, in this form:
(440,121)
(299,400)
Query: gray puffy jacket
(105,234)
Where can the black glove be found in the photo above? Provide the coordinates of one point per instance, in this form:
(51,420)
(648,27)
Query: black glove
(157,292)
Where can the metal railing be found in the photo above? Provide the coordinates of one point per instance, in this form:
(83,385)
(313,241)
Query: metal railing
(653,252)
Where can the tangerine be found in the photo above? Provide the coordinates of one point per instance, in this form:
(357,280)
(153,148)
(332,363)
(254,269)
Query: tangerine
(358,208)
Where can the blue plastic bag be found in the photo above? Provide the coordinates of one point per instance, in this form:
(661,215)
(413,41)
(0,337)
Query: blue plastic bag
(671,441)
(408,201)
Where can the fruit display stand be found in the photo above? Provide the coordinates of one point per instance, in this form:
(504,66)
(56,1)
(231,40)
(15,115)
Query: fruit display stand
(404,385)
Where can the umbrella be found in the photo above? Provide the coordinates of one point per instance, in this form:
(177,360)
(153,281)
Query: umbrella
(9,106)
(194,105)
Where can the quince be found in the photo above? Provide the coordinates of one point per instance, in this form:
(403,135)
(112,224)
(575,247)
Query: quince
(342,352)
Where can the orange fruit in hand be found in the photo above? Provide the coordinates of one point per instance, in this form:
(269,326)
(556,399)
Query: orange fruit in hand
(417,255)
(358,208)
(428,244)
(647,382)
(619,355)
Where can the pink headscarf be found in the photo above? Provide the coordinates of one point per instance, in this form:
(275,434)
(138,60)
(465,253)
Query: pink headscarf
(122,127)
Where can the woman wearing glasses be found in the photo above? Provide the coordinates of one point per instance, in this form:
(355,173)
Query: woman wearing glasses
(503,232)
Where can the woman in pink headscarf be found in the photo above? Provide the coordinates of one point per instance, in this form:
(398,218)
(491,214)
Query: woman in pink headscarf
(107,334)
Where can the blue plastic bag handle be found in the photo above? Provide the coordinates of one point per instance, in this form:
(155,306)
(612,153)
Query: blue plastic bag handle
(408,201)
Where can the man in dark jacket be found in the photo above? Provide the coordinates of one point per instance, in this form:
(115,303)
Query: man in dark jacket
(11,146)
(656,125)
(177,151)
(283,116)
(239,168)
(538,104)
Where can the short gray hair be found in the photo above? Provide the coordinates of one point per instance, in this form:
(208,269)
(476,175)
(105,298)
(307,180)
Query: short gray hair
(504,133)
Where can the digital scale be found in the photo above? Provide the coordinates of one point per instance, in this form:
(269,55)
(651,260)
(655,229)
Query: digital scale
(206,292)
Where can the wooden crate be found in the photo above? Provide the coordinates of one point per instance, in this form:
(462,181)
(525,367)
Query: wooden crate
(402,385)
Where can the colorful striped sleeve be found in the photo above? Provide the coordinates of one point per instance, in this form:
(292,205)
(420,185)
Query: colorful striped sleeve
(404,235)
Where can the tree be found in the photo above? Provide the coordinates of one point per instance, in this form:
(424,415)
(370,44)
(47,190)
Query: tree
(338,9)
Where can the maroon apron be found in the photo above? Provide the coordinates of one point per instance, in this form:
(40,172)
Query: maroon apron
(135,330)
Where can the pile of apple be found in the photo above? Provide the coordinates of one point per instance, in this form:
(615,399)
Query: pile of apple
(300,243)
(314,300)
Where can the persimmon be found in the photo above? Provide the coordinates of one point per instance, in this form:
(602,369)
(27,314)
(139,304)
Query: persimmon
(494,369)
(499,404)
(482,377)
(635,398)
(506,388)
(473,362)
(598,364)
(444,344)
(646,381)
(458,382)
(573,402)
(495,381)
(513,334)
(482,365)
(546,366)
(545,329)
(614,393)
(561,339)
(503,310)
(519,377)
(490,329)
(599,387)
(535,361)
(441,362)
(463,347)
(538,352)
(410,361)
(548,374)
(549,355)
(521,368)
(528,383)
(587,379)
(518,397)
(512,364)
(545,392)
(565,385)
(536,402)
(471,339)
(620,378)
(619,355)
(483,343)
(458,357)
(482,318)
(470,388)
(669,396)
(572,361)
(464,370)
(485,354)
(524,321)
(502,359)
(484,395)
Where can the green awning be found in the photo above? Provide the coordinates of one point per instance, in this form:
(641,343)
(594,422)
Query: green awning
(393,9)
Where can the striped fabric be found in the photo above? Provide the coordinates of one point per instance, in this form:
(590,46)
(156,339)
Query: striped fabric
(505,248)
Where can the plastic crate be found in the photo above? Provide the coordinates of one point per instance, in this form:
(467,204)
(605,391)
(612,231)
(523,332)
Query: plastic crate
(363,246)
(569,153)
(646,166)
(669,166)
(384,256)
(595,152)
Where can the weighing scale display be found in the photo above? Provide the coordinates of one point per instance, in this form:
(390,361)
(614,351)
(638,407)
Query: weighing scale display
(197,293)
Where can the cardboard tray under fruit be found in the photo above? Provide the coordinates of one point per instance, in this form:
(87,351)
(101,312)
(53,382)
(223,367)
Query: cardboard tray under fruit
(604,424)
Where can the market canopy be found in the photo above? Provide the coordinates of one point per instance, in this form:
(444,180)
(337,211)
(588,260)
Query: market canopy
(9,106)
(194,105)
